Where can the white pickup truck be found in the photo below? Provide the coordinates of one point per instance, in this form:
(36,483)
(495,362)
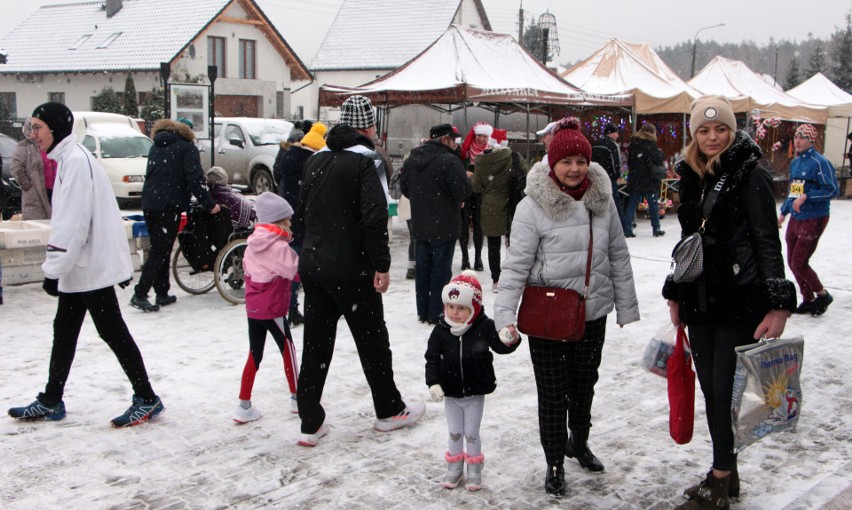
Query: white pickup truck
(246,148)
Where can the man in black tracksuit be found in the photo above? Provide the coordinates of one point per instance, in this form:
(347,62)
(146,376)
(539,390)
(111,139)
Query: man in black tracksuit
(344,267)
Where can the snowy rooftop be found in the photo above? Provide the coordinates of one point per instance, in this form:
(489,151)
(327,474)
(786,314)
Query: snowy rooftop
(384,34)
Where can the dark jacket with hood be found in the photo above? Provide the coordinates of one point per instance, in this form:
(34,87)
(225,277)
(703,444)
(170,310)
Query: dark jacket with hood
(643,153)
(343,211)
(743,275)
(289,173)
(607,154)
(463,365)
(174,170)
(434,180)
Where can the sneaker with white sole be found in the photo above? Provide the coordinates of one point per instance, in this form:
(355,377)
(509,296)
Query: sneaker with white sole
(246,415)
(294,404)
(313,439)
(407,417)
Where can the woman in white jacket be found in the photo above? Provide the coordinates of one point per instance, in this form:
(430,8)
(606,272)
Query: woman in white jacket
(549,248)
(87,255)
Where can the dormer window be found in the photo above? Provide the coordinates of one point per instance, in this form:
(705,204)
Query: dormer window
(109,40)
(80,41)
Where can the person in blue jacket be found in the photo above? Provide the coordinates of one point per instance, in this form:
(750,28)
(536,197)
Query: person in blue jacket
(813,183)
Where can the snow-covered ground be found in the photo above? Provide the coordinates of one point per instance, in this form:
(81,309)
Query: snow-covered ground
(195,456)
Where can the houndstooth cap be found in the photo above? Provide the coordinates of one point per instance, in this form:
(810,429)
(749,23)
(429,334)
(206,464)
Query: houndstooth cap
(357,111)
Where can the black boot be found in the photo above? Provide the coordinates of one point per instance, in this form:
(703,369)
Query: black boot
(579,449)
(713,495)
(465,258)
(733,485)
(477,263)
(554,482)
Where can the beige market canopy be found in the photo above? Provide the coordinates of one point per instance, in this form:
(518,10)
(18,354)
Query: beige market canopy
(471,66)
(748,92)
(819,90)
(634,69)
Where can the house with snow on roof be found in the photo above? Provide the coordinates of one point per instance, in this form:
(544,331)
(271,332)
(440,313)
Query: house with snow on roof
(367,40)
(68,52)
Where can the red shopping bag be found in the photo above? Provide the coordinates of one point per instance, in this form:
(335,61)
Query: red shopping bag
(681,381)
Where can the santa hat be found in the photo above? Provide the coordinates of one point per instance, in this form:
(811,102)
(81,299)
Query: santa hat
(482,128)
(568,141)
(464,290)
(499,139)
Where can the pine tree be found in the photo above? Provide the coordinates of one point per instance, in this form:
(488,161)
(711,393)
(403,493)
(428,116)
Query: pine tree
(129,104)
(817,63)
(107,101)
(841,56)
(152,106)
(534,40)
(794,78)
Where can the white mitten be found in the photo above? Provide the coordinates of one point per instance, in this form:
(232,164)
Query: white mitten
(507,337)
(436,392)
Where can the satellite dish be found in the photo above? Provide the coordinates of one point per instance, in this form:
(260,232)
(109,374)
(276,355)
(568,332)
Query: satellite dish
(191,51)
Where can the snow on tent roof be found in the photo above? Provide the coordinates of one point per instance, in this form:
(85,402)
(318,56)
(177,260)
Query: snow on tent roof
(625,68)
(747,92)
(471,65)
(820,90)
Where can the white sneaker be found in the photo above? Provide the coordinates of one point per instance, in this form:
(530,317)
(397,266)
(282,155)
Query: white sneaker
(407,417)
(294,404)
(312,439)
(495,288)
(246,415)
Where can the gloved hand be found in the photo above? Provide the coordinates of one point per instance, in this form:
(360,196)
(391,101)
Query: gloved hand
(51,286)
(125,283)
(507,337)
(437,392)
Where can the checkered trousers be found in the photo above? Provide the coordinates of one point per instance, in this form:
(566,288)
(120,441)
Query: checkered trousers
(565,377)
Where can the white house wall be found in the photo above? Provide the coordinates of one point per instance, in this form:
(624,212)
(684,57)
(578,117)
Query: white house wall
(468,16)
(78,88)
(308,97)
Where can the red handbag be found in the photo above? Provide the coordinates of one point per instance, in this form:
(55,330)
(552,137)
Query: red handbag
(681,382)
(554,313)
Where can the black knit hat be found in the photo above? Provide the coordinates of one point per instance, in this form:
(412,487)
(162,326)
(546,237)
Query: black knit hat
(610,128)
(442,130)
(58,118)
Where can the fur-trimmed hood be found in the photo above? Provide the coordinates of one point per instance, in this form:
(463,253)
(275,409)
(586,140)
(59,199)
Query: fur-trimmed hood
(174,126)
(644,135)
(558,205)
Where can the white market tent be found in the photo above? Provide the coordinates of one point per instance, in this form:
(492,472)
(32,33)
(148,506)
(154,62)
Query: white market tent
(635,69)
(820,90)
(465,65)
(747,92)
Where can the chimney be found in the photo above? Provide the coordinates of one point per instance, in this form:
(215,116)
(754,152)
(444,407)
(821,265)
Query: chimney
(112,7)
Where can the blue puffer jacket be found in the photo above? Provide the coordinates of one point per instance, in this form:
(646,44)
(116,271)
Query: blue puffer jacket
(820,185)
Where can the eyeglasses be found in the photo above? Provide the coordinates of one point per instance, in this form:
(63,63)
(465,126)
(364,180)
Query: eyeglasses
(35,128)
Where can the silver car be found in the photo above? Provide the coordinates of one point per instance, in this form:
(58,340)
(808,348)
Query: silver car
(246,148)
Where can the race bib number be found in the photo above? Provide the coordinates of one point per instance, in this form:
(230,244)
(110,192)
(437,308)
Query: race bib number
(797,188)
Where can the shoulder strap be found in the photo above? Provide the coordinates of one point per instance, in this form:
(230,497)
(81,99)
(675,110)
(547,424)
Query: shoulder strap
(588,261)
(710,201)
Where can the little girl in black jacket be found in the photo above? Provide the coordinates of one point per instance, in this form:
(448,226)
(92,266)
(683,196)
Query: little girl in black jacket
(459,366)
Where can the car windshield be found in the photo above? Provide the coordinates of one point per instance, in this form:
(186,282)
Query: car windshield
(268,132)
(125,147)
(7,146)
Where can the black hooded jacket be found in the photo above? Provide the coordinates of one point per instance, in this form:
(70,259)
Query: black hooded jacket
(743,275)
(433,178)
(343,212)
(174,171)
(644,153)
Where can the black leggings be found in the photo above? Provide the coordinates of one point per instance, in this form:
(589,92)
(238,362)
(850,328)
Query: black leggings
(102,305)
(715,364)
(495,244)
(471,212)
(565,377)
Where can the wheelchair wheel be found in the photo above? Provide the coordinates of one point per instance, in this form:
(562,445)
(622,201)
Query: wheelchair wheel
(187,278)
(228,272)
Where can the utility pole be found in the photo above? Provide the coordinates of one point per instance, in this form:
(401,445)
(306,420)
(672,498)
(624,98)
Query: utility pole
(521,25)
(545,36)
(775,76)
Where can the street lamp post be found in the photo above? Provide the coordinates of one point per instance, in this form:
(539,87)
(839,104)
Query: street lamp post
(694,41)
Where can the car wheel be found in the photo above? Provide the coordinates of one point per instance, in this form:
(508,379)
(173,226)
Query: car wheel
(262,181)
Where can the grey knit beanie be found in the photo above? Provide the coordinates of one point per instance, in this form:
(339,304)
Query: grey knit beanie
(271,208)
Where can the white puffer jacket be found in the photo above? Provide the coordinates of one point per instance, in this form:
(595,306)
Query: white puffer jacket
(88,247)
(549,247)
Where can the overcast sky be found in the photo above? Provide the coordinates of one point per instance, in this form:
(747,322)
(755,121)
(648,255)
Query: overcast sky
(584,26)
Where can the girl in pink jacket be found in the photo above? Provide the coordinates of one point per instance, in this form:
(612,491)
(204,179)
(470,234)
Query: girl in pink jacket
(269,265)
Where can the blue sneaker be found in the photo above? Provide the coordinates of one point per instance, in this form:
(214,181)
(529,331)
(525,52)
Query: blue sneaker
(139,412)
(39,411)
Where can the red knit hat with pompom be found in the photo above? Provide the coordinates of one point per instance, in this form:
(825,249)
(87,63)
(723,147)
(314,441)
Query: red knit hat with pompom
(568,141)
(464,290)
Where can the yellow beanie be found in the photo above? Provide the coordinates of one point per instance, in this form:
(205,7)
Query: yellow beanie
(315,138)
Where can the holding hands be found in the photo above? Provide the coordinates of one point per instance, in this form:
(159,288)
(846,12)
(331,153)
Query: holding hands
(436,392)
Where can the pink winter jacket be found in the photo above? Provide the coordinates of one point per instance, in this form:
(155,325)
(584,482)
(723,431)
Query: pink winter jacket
(270,265)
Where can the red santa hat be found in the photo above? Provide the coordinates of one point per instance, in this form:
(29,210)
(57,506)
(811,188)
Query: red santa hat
(464,290)
(499,138)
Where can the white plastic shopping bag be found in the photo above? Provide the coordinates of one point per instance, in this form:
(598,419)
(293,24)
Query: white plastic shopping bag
(659,349)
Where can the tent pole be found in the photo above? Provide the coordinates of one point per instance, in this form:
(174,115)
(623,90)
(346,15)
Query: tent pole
(683,136)
(528,134)
(465,116)
(497,116)
(845,145)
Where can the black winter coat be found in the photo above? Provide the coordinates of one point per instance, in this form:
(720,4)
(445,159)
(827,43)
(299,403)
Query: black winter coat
(605,152)
(743,275)
(343,211)
(289,170)
(643,153)
(434,180)
(174,171)
(463,365)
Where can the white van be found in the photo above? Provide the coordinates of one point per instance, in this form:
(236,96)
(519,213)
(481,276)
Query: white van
(120,147)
